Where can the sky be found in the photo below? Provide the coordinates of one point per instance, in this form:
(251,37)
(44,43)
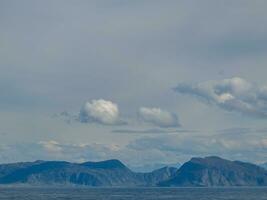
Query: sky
(148,82)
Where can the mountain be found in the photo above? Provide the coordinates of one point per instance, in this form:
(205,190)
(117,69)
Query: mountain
(264,165)
(215,171)
(110,173)
(205,172)
(157,176)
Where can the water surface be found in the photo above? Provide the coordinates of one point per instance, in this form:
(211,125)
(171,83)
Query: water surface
(10,193)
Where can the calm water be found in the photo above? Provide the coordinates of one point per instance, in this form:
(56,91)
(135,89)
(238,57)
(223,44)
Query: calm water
(133,194)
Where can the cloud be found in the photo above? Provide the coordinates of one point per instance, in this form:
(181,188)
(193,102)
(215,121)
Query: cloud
(147,150)
(54,150)
(81,152)
(66,117)
(184,146)
(236,130)
(100,111)
(51,146)
(234,94)
(151,131)
(107,113)
(158,117)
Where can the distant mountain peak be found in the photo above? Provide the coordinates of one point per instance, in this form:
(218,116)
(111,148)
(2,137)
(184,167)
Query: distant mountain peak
(207,171)
(107,164)
(216,171)
(208,158)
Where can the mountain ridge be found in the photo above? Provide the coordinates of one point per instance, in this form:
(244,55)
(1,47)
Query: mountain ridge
(201,172)
(215,171)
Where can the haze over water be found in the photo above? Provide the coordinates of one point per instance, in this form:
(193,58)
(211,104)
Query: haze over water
(133,193)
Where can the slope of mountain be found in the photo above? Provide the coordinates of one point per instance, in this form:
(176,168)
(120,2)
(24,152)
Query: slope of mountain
(156,176)
(9,168)
(214,171)
(209,171)
(264,165)
(104,173)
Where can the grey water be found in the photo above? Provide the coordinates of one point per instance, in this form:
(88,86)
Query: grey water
(11,193)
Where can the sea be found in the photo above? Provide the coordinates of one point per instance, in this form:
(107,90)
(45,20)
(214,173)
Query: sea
(28,193)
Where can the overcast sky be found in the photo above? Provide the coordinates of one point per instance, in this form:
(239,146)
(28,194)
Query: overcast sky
(145,81)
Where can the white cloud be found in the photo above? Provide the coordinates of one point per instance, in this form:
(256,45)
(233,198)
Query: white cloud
(233,146)
(237,144)
(100,111)
(234,94)
(51,146)
(81,152)
(158,117)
